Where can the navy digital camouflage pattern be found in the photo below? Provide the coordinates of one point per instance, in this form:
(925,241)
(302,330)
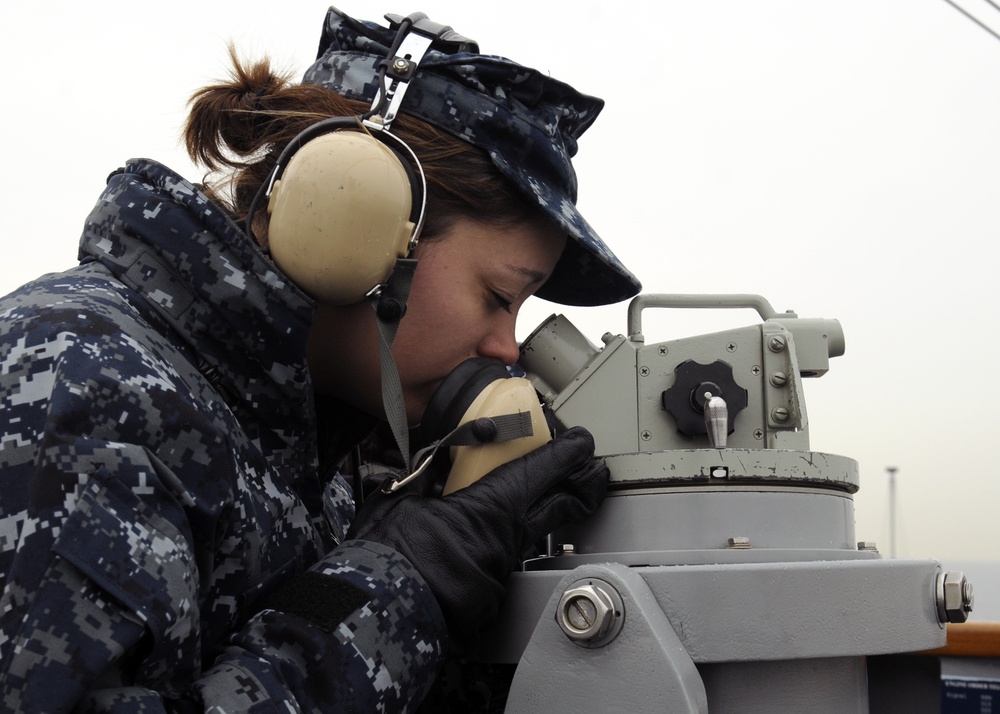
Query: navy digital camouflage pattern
(526,121)
(166,541)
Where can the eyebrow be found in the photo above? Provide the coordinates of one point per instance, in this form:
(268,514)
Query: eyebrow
(536,276)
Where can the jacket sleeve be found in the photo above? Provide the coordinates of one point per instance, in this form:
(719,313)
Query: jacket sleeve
(381,656)
(111,564)
(113,623)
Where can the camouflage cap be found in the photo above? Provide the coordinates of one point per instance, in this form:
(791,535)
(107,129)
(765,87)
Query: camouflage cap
(527,122)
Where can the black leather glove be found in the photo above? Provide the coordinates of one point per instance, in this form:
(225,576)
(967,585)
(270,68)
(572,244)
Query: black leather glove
(466,543)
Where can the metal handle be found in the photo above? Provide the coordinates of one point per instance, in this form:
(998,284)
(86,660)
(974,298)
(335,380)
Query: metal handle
(638,304)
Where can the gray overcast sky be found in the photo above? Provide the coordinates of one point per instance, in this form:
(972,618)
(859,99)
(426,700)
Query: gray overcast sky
(839,157)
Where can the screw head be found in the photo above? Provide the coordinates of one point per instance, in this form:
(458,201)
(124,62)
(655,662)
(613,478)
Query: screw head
(586,613)
(780,414)
(581,613)
(776,343)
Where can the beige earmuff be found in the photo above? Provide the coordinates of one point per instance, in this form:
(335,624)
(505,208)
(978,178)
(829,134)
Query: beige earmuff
(515,395)
(485,418)
(341,213)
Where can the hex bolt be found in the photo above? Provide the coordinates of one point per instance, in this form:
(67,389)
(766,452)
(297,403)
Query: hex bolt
(779,379)
(868,545)
(776,343)
(954,597)
(585,612)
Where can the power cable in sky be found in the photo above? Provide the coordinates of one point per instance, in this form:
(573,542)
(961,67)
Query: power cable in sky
(974,18)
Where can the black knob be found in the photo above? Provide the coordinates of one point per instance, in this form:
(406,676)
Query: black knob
(685,399)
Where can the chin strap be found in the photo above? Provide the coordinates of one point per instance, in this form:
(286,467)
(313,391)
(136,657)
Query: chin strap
(415,34)
(389,303)
(485,430)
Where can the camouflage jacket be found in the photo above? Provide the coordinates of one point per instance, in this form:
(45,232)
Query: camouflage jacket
(166,540)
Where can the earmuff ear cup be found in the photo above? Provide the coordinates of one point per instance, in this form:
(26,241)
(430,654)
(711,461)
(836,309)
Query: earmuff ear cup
(456,394)
(514,395)
(340,215)
(480,387)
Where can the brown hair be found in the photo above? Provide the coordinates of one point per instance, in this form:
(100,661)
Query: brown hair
(240,126)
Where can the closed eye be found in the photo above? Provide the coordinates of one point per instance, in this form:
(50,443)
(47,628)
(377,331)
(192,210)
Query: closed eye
(503,302)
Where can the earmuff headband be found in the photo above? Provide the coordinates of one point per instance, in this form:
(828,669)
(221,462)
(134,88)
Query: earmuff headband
(414,37)
(415,34)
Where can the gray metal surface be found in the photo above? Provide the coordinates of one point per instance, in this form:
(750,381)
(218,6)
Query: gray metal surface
(732,466)
(809,686)
(741,587)
(645,669)
(741,612)
(705,519)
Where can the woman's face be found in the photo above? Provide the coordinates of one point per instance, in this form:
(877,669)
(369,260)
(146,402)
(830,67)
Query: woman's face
(469,285)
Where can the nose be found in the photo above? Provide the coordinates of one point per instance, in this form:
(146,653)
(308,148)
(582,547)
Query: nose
(500,344)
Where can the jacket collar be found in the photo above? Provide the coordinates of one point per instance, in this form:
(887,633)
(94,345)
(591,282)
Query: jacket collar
(244,320)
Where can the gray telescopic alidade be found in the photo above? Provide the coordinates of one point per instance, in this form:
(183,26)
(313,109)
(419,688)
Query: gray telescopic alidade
(722,573)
